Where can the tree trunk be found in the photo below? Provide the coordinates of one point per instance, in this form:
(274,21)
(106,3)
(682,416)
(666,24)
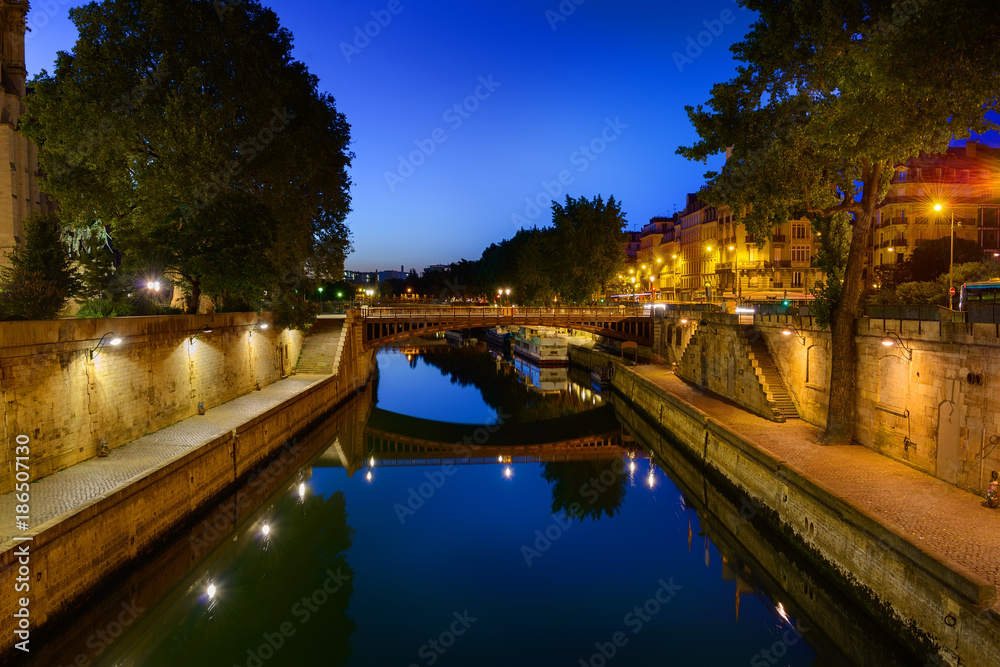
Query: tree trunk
(844,356)
(194,299)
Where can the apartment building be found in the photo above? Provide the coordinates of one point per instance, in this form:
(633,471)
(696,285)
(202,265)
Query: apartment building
(702,254)
(964,182)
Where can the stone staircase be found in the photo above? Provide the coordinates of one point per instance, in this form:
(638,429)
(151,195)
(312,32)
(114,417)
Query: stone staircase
(322,347)
(768,373)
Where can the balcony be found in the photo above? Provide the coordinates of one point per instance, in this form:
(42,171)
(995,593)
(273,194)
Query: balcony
(758,264)
(893,243)
(778,238)
(783,263)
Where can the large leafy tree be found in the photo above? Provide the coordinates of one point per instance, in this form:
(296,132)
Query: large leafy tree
(198,142)
(829,96)
(587,251)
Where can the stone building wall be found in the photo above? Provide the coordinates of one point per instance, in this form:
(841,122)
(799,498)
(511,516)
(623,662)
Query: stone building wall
(66,402)
(935,408)
(717,358)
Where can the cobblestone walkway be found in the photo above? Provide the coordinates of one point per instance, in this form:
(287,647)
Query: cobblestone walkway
(67,489)
(951,525)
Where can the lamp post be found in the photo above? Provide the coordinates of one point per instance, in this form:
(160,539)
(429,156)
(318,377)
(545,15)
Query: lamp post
(951,260)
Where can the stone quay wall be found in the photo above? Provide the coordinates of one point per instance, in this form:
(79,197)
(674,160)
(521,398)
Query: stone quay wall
(932,406)
(73,555)
(67,403)
(876,567)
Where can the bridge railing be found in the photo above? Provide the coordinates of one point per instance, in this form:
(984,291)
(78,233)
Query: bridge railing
(483,312)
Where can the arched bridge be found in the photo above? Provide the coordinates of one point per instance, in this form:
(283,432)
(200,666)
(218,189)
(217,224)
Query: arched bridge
(381,325)
(393,439)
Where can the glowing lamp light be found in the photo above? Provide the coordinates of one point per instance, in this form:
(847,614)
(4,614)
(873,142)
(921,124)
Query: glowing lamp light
(651,479)
(302,490)
(499,459)
(684,320)
(937,207)
(264,325)
(631,466)
(211,591)
(888,342)
(368,476)
(266,530)
(508,472)
(786,332)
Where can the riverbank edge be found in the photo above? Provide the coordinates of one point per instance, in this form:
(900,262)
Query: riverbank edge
(71,556)
(924,596)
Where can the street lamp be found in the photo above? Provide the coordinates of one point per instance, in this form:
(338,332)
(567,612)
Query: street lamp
(951,261)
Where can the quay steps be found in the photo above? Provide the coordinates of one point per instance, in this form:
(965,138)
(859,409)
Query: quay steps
(322,347)
(773,384)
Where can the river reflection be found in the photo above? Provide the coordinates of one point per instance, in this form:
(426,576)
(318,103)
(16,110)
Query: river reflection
(453,516)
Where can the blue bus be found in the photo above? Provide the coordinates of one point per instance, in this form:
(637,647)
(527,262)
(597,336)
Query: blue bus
(974,293)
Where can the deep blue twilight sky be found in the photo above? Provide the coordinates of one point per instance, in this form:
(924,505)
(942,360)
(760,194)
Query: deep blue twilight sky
(608,74)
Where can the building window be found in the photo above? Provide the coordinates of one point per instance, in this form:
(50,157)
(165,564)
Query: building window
(796,279)
(777,254)
(902,177)
(798,231)
(800,253)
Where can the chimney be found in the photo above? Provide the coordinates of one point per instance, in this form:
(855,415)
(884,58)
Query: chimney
(970,148)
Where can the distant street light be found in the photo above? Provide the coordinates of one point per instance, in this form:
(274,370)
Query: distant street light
(951,261)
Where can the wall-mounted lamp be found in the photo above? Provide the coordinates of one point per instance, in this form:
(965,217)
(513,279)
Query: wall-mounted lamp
(203,330)
(258,326)
(789,330)
(888,341)
(684,320)
(107,339)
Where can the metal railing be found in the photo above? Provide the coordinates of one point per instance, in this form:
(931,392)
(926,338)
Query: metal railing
(484,312)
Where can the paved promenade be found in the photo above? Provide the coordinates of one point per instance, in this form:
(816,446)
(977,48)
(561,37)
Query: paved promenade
(951,525)
(67,489)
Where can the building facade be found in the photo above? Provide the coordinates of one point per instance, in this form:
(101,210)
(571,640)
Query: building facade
(963,181)
(19,194)
(702,254)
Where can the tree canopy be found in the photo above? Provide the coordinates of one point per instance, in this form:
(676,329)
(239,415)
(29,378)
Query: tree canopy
(198,142)
(830,95)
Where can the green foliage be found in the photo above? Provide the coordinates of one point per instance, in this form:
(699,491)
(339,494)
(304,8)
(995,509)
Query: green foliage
(199,144)
(834,233)
(40,280)
(932,259)
(572,260)
(935,291)
(829,96)
(104,307)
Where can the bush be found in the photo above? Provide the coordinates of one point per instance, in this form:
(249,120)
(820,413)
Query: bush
(104,307)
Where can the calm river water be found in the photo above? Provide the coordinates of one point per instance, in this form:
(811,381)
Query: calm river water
(577,549)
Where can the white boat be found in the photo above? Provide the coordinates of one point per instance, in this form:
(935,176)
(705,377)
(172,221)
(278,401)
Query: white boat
(542,346)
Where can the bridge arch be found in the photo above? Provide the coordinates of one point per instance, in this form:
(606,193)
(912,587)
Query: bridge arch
(382,326)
